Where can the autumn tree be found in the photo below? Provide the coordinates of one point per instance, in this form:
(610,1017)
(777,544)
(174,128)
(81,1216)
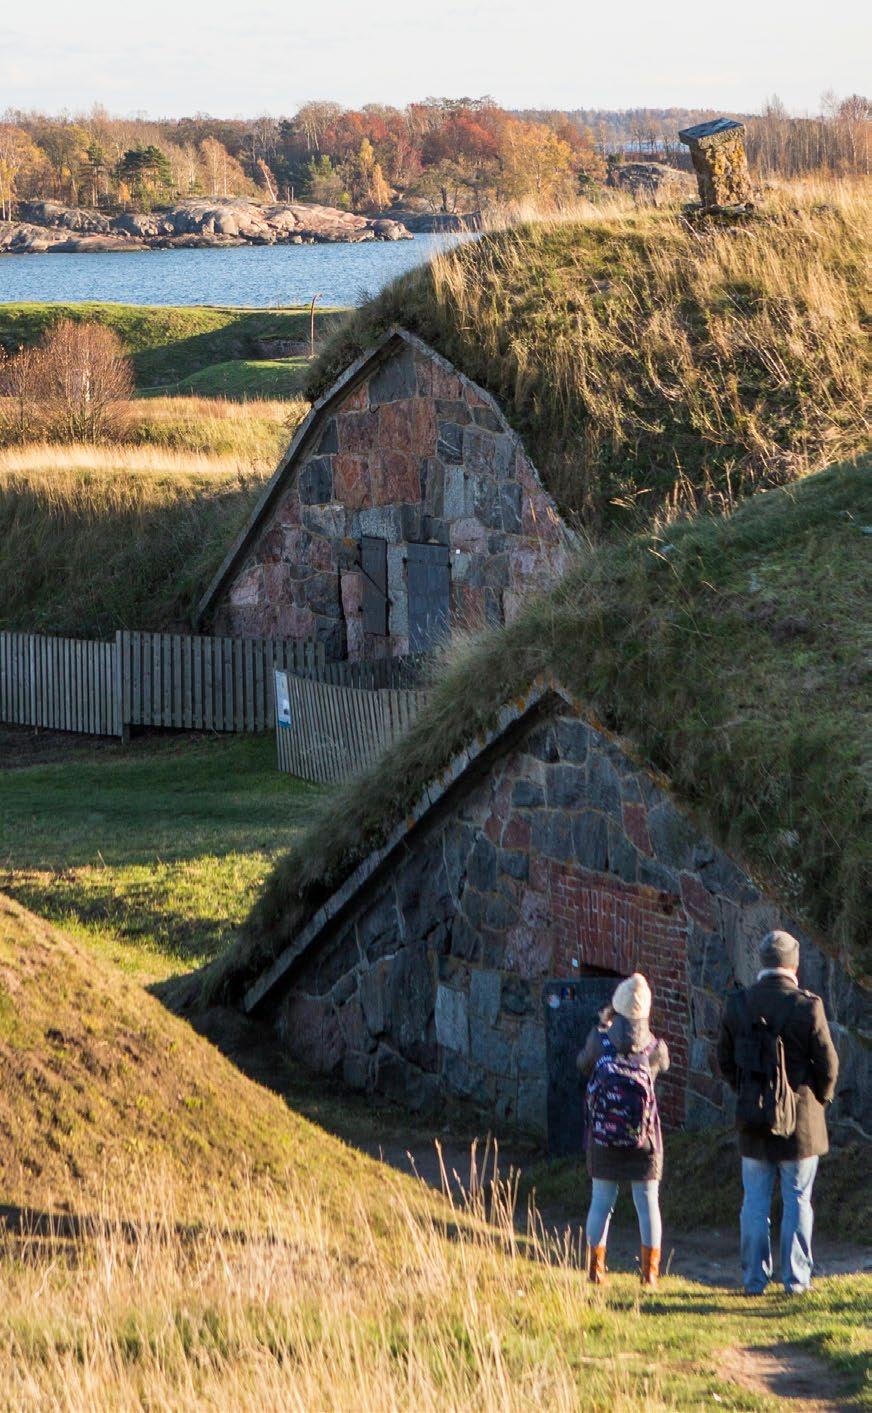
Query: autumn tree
(225,176)
(82,372)
(535,163)
(21,161)
(146,170)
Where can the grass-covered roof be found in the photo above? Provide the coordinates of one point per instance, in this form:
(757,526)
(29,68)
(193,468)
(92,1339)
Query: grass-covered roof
(735,654)
(652,366)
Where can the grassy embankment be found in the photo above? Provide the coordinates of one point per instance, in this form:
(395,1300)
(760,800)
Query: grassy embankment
(733,654)
(206,350)
(653,368)
(129,534)
(175,1236)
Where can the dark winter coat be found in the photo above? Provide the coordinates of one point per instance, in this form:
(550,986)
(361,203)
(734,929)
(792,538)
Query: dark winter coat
(810,1057)
(625,1164)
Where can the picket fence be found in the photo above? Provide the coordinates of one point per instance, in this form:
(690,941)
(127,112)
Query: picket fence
(145,679)
(327,732)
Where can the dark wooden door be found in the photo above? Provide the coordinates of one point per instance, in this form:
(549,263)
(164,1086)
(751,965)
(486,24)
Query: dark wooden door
(571,1008)
(429,595)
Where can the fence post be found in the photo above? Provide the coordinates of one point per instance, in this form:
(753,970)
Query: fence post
(122,727)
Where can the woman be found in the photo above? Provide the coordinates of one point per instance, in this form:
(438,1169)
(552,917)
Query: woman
(624,1141)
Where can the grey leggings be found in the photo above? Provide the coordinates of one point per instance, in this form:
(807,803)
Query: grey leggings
(646,1196)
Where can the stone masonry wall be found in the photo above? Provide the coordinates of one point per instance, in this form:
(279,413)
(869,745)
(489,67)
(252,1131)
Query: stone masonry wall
(414,453)
(564,856)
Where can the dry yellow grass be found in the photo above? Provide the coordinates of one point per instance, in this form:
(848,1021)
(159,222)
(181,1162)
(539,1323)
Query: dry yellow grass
(58,460)
(174,1237)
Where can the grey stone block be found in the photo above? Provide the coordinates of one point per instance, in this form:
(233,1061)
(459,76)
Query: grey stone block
(383,521)
(533,1106)
(373,991)
(315,481)
(484,995)
(673,838)
(488,503)
(412,999)
(452,1020)
(515,863)
(603,784)
(466,1080)
(329,439)
(532,1056)
(511,498)
(566,786)
(656,875)
(541,743)
(449,445)
(527,793)
(465,939)
(725,878)
(411,524)
(423,1092)
(356,1070)
(481,865)
(623,857)
(487,418)
(551,834)
(491,1049)
(500,913)
(573,739)
(590,840)
(396,378)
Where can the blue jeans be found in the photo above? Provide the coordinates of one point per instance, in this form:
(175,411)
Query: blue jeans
(758,1181)
(602,1204)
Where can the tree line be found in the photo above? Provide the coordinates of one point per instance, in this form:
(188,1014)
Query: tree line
(448,155)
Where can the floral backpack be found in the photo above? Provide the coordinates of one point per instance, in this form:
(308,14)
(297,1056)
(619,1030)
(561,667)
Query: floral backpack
(621,1103)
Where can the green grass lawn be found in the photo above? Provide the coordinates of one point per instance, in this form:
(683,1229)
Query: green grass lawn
(152,852)
(242,379)
(170,344)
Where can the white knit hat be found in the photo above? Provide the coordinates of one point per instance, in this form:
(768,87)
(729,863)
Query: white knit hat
(632,998)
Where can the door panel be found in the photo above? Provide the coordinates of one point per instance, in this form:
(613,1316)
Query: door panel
(428,569)
(374,563)
(571,1008)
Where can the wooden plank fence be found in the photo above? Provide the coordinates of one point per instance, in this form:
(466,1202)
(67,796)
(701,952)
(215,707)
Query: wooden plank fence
(206,684)
(63,684)
(327,732)
(145,679)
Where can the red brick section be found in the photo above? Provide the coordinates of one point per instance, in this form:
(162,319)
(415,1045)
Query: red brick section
(600,921)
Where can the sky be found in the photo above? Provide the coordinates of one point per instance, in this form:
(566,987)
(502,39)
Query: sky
(174,57)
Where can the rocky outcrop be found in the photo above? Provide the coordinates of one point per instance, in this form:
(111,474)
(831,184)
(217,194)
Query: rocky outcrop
(200,222)
(652,181)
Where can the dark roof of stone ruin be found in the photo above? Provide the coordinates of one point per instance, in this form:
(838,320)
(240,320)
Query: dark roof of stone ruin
(391,343)
(469,761)
(709,134)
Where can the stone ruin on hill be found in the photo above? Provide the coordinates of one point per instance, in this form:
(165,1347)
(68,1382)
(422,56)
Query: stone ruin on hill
(717,150)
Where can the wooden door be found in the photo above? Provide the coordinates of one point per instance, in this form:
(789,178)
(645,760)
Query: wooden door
(429,595)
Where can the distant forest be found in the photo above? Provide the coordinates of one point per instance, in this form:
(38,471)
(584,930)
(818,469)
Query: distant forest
(447,155)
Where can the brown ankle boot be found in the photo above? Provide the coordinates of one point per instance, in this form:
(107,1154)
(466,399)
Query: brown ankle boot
(596,1264)
(650,1266)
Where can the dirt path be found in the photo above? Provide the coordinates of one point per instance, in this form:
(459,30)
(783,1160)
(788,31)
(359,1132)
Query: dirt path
(789,1373)
(711,1258)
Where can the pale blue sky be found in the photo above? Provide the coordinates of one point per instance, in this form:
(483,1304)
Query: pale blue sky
(169,57)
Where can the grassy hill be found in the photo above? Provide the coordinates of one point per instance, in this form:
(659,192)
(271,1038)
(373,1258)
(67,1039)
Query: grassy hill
(651,366)
(172,1235)
(171,345)
(129,534)
(733,652)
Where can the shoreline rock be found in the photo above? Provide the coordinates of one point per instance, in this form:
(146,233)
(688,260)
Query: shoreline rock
(200,223)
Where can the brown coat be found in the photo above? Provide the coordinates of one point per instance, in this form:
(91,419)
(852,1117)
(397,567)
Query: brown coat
(810,1057)
(625,1164)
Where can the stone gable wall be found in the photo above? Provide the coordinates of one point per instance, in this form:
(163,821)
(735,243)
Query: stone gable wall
(564,856)
(414,453)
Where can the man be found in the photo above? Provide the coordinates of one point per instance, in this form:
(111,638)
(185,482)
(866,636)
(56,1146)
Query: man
(812,1067)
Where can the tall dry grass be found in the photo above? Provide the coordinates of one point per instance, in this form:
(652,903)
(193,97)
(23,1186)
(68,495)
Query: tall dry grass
(655,366)
(444,1307)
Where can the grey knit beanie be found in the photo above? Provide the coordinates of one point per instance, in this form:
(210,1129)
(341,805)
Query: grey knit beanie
(779,949)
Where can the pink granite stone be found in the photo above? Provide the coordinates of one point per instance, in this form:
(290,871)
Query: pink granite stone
(352,480)
(395,478)
(408,425)
(358,431)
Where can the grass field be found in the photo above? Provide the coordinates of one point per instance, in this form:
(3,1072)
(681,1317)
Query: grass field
(172,346)
(244,378)
(152,852)
(175,1236)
